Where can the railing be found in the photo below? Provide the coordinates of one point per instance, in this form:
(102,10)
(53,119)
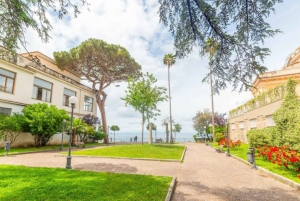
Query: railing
(24,62)
(146,140)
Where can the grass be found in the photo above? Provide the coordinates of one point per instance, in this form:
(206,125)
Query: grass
(136,151)
(280,170)
(51,184)
(17,150)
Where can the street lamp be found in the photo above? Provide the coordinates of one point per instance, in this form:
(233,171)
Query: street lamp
(73,100)
(62,135)
(227,136)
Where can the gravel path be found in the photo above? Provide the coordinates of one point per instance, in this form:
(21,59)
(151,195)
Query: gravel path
(204,175)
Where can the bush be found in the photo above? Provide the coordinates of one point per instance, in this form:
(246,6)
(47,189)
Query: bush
(258,138)
(219,137)
(195,137)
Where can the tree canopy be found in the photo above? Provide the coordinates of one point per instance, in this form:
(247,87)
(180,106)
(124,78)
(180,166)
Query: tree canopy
(12,127)
(43,121)
(114,128)
(144,97)
(203,119)
(19,15)
(91,120)
(238,27)
(101,64)
(153,126)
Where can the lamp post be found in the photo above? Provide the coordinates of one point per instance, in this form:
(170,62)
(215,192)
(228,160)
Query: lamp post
(227,136)
(62,135)
(73,100)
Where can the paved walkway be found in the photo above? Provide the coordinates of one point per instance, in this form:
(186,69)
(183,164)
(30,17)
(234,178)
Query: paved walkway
(204,175)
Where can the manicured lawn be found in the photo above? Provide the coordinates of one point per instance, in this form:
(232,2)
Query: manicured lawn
(16,150)
(136,151)
(281,170)
(51,184)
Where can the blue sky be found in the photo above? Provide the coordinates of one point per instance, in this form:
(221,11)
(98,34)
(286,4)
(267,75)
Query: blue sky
(134,24)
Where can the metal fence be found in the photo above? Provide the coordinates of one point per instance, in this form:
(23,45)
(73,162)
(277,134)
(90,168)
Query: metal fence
(146,140)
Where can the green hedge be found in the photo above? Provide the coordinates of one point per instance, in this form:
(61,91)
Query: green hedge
(266,136)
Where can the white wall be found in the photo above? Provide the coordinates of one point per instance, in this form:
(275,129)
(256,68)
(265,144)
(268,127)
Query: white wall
(23,87)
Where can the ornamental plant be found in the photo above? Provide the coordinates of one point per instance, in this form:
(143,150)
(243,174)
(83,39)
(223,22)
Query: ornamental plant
(287,119)
(232,144)
(282,156)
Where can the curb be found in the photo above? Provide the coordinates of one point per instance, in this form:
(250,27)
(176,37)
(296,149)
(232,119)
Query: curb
(145,159)
(42,151)
(171,189)
(271,174)
(183,154)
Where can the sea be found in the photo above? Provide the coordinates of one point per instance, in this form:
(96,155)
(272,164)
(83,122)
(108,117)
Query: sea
(129,136)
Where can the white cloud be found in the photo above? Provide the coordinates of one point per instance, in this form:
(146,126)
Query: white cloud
(135,25)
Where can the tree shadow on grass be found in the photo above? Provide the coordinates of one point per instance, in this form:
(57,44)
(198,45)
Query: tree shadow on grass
(106,167)
(198,191)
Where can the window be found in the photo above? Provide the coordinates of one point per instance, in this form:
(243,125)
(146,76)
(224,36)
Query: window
(67,94)
(88,104)
(5,111)
(241,125)
(42,90)
(233,126)
(7,80)
(252,123)
(270,121)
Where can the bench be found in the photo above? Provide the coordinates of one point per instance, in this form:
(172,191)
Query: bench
(77,144)
(158,140)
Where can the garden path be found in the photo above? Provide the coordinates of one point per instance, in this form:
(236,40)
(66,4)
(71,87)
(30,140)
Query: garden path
(204,174)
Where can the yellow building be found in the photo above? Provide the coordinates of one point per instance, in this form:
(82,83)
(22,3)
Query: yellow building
(268,92)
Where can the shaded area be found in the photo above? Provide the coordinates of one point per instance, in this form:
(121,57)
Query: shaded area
(106,167)
(55,184)
(230,194)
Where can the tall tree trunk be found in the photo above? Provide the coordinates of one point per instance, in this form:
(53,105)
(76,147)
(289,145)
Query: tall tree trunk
(212,103)
(101,105)
(167,134)
(150,133)
(171,135)
(143,129)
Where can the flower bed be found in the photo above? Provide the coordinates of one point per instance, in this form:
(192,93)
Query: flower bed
(230,143)
(282,156)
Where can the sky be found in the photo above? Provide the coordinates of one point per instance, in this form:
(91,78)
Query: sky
(134,24)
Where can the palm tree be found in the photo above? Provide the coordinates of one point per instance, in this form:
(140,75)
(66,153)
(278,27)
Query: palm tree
(114,128)
(78,127)
(210,48)
(169,60)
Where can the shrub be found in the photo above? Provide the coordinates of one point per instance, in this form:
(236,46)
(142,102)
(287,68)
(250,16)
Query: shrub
(219,137)
(195,137)
(258,138)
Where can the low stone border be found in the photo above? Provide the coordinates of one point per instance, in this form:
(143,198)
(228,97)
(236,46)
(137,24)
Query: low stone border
(183,154)
(171,189)
(270,174)
(145,159)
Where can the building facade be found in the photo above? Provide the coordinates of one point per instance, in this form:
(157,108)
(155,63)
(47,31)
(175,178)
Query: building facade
(257,112)
(24,82)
